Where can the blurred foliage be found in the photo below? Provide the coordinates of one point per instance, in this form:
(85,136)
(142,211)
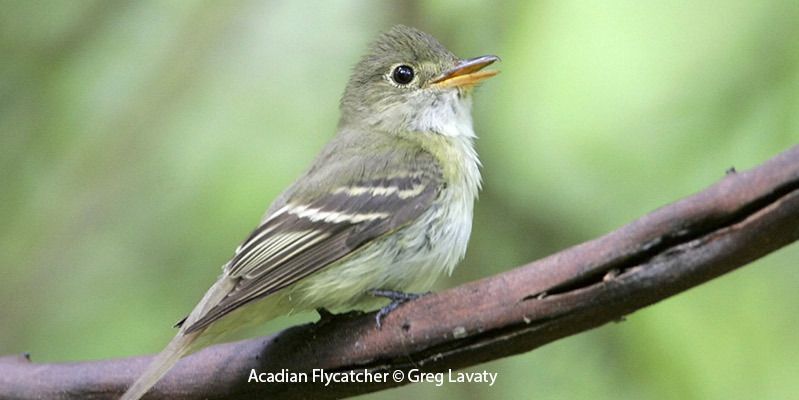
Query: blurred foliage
(141,141)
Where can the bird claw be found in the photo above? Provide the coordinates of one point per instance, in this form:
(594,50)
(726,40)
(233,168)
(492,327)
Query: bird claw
(325,316)
(397,299)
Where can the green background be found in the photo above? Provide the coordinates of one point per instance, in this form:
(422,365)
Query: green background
(141,141)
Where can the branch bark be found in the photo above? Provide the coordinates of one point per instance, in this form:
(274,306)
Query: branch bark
(739,219)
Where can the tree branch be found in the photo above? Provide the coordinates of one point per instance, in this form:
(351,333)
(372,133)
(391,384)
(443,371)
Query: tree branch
(739,219)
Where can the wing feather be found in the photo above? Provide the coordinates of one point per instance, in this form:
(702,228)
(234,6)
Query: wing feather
(303,237)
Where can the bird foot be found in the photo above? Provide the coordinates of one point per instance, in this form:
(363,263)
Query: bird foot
(397,299)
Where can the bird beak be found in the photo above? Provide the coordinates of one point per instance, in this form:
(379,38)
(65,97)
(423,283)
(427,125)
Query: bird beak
(466,73)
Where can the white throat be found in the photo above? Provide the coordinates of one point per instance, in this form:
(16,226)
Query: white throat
(448,114)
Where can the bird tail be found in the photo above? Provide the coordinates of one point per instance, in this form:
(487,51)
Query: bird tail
(180,345)
(186,342)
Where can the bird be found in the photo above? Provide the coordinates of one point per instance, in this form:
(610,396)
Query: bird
(384,209)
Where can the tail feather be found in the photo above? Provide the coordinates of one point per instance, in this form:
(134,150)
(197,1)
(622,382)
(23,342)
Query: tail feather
(163,362)
(185,342)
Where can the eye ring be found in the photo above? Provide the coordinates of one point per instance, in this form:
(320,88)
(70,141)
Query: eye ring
(402,74)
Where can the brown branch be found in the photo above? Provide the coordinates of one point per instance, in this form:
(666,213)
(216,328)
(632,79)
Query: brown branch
(741,218)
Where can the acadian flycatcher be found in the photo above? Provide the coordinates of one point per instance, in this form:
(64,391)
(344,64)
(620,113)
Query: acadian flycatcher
(386,207)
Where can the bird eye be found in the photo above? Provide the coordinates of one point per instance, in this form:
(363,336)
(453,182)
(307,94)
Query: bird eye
(403,74)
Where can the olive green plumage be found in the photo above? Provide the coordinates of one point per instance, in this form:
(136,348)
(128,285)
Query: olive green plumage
(387,204)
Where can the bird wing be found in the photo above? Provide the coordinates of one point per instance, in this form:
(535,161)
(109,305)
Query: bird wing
(304,236)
